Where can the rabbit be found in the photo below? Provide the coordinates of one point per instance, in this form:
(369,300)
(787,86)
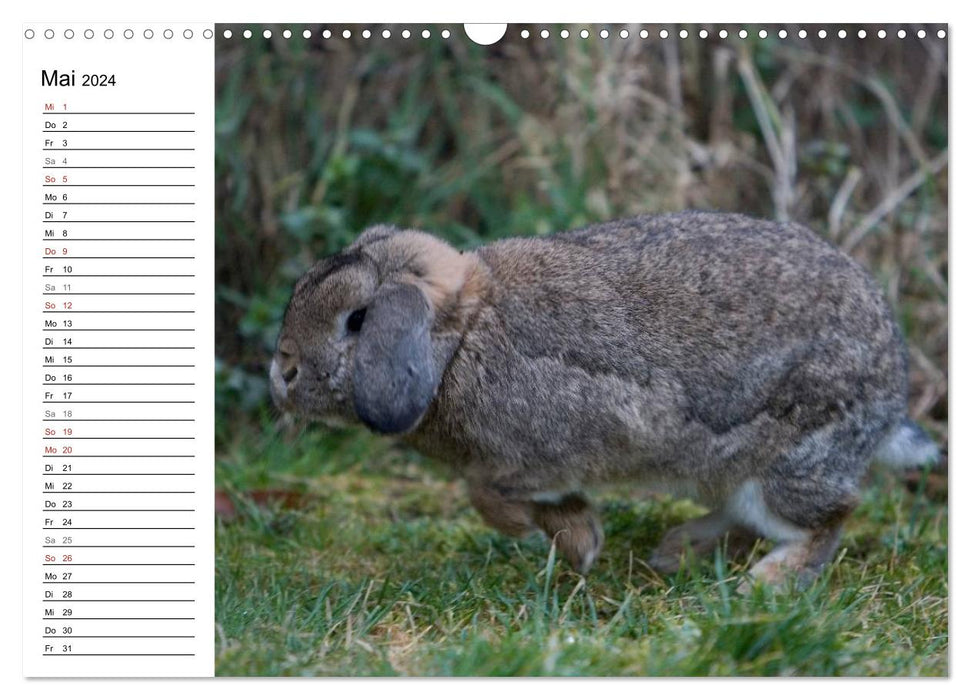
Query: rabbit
(746,364)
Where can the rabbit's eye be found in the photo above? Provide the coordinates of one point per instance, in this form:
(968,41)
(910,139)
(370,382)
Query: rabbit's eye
(356,320)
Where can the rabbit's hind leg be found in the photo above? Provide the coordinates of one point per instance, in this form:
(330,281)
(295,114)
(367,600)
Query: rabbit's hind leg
(700,537)
(804,559)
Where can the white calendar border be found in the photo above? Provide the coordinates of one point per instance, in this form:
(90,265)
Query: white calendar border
(515,11)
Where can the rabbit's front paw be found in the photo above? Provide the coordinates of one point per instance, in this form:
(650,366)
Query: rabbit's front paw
(573,525)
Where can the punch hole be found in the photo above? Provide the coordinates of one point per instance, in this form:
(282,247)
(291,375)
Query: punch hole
(386,34)
(326,34)
(921,33)
(485,34)
(742,34)
(228,34)
(29,34)
(89,34)
(841,33)
(703,33)
(207,34)
(604,33)
(425,34)
(148,33)
(941,34)
(861,34)
(346,33)
(683,34)
(187,34)
(663,33)
(168,34)
(901,34)
(129,34)
(247,34)
(446,34)
(109,34)
(267,33)
(821,34)
(405,34)
(624,33)
(306,34)
(882,33)
(803,33)
(644,34)
(723,34)
(366,33)
(763,34)
(584,34)
(564,34)
(68,33)
(783,33)
(545,33)
(287,34)
(49,33)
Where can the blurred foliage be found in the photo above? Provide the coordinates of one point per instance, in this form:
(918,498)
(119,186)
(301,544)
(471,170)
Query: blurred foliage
(319,138)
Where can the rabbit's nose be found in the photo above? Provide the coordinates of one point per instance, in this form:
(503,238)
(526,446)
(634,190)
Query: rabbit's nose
(289,360)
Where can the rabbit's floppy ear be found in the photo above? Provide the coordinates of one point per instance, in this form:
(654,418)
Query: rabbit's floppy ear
(395,378)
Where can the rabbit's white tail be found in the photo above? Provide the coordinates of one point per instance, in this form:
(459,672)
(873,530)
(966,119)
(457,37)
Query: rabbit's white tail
(908,446)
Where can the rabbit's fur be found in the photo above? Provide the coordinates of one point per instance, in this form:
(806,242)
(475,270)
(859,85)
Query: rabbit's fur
(744,363)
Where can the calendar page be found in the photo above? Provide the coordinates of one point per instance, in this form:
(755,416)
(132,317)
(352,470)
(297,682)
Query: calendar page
(444,350)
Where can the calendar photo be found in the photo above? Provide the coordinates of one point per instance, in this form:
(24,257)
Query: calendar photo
(597,350)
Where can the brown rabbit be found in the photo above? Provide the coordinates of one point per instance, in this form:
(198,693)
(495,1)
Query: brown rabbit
(745,364)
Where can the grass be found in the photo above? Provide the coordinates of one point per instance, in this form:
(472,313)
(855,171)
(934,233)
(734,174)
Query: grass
(384,569)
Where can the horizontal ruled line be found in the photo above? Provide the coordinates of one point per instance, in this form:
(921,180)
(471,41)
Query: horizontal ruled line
(115,437)
(72,617)
(122,311)
(118,384)
(74,365)
(118,131)
(167,184)
(119,275)
(119,294)
(48,222)
(120,257)
(70,491)
(112,204)
(126,113)
(119,167)
(118,528)
(72,238)
(114,330)
(127,456)
(72,654)
(47,474)
(118,420)
(78,401)
(118,149)
(115,510)
(115,347)
(118,636)
(119,546)
(125,564)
